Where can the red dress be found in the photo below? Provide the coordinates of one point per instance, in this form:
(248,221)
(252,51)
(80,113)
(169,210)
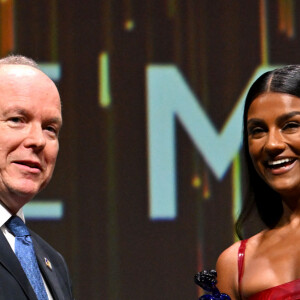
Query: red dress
(286,291)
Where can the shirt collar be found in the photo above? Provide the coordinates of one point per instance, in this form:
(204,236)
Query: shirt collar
(5,214)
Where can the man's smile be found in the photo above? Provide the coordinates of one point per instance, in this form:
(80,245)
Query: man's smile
(29,165)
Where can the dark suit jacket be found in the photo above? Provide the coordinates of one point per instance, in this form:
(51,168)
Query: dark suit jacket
(14,284)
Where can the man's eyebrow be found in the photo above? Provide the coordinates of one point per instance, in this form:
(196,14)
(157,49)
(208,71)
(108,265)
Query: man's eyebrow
(16,110)
(22,111)
(55,120)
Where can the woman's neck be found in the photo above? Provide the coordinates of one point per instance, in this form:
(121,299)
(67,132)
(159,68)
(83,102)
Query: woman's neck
(291,212)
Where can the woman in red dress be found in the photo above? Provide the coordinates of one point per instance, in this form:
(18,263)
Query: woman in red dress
(267,265)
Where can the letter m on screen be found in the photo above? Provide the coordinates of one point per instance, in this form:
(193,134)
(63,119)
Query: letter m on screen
(169,98)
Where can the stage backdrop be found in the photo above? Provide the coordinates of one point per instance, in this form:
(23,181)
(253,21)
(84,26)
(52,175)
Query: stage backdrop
(149,176)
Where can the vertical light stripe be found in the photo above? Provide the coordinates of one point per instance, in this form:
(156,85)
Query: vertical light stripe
(53,30)
(7,27)
(236,188)
(286,23)
(104,84)
(264,32)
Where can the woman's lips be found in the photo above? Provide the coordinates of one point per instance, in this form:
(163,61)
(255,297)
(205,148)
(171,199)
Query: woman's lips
(280,166)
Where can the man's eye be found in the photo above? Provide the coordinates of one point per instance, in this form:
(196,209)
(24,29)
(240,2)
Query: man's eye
(15,119)
(52,129)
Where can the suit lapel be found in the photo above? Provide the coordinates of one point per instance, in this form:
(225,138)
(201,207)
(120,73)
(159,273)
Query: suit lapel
(9,260)
(49,274)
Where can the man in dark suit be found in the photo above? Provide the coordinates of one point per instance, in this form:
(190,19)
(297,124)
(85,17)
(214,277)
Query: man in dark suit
(30,121)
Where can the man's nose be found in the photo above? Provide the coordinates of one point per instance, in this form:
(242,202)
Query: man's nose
(35,137)
(275,141)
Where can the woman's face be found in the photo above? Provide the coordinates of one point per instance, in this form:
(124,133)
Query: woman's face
(273,126)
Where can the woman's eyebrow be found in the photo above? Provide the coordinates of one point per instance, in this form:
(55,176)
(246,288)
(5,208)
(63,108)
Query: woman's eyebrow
(254,121)
(287,116)
(280,119)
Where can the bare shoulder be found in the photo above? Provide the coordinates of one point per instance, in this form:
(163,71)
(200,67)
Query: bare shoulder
(227,266)
(227,270)
(229,255)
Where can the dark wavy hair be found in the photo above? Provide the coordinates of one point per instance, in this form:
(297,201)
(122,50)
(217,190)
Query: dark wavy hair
(267,202)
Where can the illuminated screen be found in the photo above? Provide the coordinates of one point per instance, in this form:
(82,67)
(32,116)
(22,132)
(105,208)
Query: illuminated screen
(148,181)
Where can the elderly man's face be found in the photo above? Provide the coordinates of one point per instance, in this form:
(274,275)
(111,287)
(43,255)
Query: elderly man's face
(30,120)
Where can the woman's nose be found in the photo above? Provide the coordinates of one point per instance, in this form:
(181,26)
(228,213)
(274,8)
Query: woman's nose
(274,142)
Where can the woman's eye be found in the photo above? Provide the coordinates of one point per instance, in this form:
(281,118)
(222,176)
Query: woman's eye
(291,126)
(256,131)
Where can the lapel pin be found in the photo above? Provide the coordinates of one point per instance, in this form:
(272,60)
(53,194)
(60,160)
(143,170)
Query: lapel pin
(48,263)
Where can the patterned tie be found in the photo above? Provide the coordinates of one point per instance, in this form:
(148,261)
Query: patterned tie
(25,252)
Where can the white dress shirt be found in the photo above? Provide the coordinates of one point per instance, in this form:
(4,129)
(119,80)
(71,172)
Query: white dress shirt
(4,216)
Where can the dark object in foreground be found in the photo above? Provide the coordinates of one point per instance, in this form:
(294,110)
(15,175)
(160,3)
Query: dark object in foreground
(207,280)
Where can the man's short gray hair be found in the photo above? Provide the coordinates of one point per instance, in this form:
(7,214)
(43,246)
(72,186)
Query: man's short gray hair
(18,60)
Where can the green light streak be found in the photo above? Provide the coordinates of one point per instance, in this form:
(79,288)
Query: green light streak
(264,33)
(104,84)
(236,188)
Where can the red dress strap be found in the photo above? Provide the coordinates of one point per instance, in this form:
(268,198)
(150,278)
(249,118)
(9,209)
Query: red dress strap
(241,259)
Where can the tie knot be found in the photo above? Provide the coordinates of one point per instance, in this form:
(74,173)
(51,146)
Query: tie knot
(17,226)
